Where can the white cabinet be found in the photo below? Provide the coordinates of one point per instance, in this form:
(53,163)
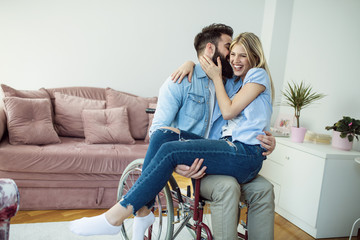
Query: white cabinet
(316,187)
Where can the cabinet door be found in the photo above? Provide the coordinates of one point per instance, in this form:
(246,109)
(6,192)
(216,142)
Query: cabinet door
(302,175)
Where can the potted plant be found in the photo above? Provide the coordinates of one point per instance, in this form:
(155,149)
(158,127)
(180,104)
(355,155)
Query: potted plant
(299,96)
(344,132)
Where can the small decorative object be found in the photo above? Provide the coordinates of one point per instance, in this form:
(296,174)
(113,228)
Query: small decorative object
(344,132)
(317,138)
(282,126)
(9,205)
(299,96)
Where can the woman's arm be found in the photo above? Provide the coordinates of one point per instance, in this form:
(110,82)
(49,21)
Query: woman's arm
(184,70)
(229,108)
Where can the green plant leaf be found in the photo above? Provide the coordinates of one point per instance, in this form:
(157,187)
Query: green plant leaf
(350,137)
(348,127)
(300,96)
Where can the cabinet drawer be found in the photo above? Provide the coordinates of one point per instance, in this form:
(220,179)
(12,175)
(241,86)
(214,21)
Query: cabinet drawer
(279,154)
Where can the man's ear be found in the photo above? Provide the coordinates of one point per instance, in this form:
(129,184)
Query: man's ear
(210,49)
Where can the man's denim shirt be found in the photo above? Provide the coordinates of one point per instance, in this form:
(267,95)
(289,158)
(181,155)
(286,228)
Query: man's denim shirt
(186,105)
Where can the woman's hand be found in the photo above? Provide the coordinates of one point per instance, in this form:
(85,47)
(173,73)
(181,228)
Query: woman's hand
(212,71)
(186,69)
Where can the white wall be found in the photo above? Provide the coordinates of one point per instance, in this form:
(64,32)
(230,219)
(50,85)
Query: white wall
(134,45)
(275,40)
(131,46)
(324,50)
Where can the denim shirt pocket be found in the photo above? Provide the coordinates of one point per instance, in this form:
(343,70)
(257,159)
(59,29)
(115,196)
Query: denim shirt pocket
(195,106)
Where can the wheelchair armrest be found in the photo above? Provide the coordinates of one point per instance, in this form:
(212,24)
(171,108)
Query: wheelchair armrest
(150,110)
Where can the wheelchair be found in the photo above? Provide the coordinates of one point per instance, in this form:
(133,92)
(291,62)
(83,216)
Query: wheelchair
(173,210)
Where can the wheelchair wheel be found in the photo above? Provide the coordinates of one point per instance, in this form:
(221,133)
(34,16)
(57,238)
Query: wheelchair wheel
(163,210)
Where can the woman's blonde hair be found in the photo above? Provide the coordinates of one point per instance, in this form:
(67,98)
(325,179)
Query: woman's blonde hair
(255,53)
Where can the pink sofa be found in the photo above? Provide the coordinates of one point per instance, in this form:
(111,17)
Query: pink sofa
(66,147)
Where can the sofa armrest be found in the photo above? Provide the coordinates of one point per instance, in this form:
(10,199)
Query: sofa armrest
(2,119)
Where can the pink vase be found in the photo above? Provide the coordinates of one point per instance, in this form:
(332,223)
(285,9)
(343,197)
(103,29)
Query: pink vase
(298,134)
(340,143)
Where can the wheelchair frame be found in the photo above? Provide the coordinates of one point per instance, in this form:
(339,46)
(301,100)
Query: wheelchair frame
(189,211)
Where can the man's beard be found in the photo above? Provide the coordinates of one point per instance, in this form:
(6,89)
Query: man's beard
(227,70)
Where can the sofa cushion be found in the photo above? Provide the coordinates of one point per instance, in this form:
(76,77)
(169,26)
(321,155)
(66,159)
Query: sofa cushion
(151,117)
(136,106)
(11,92)
(68,109)
(73,155)
(107,126)
(29,121)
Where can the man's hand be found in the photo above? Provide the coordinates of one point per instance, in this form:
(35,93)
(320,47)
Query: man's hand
(192,171)
(267,141)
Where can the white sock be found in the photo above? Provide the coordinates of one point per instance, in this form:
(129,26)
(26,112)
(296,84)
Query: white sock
(97,225)
(140,226)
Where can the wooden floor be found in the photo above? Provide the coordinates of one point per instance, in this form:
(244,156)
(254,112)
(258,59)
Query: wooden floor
(284,230)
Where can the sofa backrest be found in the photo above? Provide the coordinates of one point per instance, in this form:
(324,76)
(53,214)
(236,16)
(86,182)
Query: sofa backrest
(84,92)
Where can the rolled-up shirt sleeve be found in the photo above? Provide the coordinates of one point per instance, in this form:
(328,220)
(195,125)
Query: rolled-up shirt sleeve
(168,105)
